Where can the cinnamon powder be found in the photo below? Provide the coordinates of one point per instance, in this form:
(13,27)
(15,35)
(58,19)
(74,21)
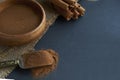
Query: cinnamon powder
(37,59)
(42,71)
(19,19)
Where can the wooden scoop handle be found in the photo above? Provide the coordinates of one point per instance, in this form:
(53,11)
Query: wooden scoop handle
(9,63)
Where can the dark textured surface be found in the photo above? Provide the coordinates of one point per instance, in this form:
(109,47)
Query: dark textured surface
(89,48)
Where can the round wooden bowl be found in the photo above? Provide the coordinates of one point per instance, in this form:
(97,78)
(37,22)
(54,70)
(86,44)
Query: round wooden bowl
(21,21)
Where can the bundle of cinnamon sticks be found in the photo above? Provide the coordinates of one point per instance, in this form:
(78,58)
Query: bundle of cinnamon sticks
(69,9)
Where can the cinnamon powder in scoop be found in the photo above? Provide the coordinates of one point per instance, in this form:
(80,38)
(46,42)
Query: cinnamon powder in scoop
(19,19)
(44,70)
(36,59)
(40,62)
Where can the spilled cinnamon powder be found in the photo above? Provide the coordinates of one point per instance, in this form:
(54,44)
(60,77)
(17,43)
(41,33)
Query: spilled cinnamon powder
(18,19)
(43,71)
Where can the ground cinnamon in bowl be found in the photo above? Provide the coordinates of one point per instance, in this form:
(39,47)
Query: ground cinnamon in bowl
(18,19)
(21,22)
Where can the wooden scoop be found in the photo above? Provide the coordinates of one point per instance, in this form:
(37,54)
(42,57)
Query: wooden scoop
(31,60)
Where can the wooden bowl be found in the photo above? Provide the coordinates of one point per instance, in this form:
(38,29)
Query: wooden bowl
(21,21)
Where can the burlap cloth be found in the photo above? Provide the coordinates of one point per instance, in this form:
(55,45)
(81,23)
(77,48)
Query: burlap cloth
(8,53)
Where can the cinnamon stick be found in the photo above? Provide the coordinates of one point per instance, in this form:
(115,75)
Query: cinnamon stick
(60,3)
(76,14)
(65,13)
(71,2)
(69,9)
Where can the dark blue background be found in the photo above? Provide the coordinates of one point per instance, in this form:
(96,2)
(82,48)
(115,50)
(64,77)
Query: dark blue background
(89,47)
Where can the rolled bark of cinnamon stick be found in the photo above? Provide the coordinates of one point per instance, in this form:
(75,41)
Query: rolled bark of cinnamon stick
(81,10)
(76,14)
(70,1)
(68,8)
(60,3)
(65,13)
